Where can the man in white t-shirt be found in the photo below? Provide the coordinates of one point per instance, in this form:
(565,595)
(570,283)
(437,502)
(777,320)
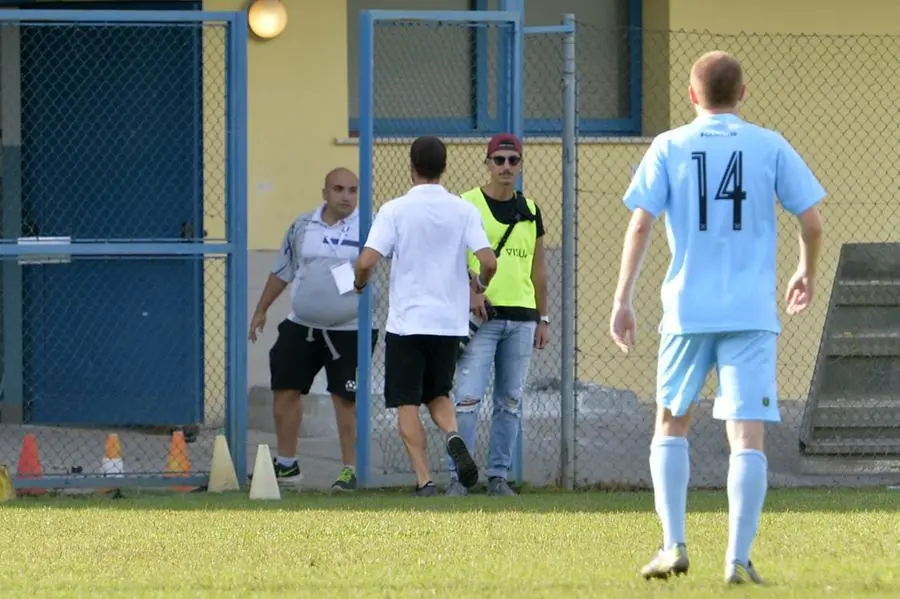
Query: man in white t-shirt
(427,234)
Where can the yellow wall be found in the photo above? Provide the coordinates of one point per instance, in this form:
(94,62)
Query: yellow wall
(804,86)
(297,107)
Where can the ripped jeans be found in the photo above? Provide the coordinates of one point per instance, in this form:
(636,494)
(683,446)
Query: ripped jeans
(507,346)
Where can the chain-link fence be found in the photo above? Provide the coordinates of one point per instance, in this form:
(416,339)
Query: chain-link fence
(828,95)
(122,262)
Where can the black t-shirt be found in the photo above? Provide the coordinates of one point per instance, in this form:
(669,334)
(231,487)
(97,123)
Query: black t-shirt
(505,213)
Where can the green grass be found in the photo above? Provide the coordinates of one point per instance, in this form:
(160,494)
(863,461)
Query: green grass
(813,543)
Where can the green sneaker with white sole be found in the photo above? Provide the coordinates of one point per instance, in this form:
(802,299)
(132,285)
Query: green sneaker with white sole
(346,480)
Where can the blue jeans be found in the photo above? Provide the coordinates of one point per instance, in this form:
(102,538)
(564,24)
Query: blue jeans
(507,346)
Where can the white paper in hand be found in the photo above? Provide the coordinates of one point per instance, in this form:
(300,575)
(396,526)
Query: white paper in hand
(343,277)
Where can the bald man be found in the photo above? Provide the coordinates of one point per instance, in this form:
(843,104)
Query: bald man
(317,255)
(718,180)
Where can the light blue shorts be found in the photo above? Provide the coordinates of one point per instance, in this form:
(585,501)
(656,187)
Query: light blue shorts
(745,363)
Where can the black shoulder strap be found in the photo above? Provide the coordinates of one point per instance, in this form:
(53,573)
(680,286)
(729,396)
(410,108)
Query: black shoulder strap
(521,210)
(506,235)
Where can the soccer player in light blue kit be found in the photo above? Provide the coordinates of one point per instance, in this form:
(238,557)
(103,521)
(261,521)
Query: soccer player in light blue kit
(717,180)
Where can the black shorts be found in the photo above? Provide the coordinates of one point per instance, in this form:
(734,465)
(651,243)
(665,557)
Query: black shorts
(299,354)
(418,368)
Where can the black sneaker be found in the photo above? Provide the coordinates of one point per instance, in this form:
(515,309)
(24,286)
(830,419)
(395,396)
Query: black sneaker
(426,490)
(287,475)
(465,465)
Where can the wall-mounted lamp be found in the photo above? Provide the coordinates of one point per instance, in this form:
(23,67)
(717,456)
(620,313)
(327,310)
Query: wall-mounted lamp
(267,18)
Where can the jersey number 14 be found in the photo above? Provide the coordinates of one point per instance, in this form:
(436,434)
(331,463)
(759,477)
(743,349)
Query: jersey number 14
(730,186)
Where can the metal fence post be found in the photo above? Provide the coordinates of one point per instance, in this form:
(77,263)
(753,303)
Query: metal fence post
(237,80)
(567,324)
(366,151)
(517,116)
(514,57)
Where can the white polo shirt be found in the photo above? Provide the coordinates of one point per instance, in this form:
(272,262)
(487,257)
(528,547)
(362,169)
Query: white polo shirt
(427,233)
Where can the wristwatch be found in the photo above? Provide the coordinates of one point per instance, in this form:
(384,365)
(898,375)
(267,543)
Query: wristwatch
(545,319)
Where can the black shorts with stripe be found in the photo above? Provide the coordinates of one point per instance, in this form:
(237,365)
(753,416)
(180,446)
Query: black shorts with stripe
(300,353)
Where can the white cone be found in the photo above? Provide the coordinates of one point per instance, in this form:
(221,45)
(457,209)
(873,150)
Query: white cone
(264,485)
(113,467)
(222,476)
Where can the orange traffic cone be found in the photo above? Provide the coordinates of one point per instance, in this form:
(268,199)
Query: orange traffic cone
(30,464)
(178,463)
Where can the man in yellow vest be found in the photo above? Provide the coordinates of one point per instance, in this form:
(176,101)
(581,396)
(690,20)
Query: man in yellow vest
(514,309)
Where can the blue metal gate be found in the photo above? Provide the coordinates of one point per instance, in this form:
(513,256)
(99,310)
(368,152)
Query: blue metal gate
(124,221)
(145,124)
(489,46)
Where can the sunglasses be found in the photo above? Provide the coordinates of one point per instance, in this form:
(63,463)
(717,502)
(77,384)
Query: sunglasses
(501,160)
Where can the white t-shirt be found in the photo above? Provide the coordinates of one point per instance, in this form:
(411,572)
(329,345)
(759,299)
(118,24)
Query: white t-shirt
(427,233)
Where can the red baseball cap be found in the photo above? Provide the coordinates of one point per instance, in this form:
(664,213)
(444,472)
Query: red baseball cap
(504,141)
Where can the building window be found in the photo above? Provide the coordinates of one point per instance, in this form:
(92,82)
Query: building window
(459,97)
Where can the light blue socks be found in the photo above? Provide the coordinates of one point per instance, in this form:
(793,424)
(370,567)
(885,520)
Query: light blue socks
(670,469)
(747,485)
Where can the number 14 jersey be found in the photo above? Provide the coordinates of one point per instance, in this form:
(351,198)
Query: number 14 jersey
(717,181)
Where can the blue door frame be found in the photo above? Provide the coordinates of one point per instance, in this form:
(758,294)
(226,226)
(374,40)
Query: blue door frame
(112,340)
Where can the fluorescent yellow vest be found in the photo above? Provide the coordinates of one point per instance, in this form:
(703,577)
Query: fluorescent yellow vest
(512,285)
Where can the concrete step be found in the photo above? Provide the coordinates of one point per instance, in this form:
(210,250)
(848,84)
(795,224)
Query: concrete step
(858,412)
(864,345)
(875,448)
(869,261)
(867,292)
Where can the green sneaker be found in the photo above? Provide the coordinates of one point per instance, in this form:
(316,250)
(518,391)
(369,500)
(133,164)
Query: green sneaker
(666,563)
(346,480)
